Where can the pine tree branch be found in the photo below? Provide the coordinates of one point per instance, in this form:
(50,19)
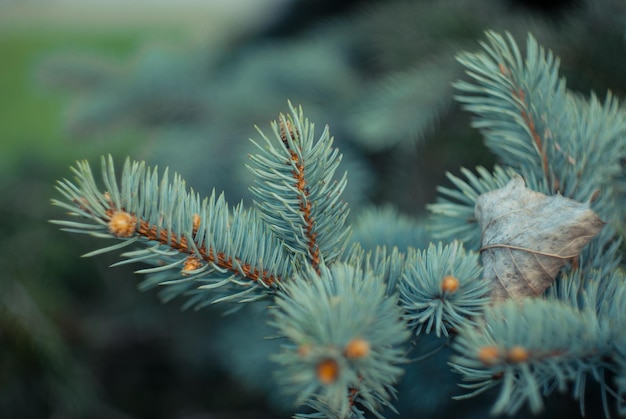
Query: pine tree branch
(190,244)
(180,243)
(296,192)
(442,289)
(530,125)
(558,143)
(532,122)
(345,335)
(304,193)
(509,83)
(509,349)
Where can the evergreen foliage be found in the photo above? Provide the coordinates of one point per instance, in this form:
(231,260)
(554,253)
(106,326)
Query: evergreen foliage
(345,334)
(441,289)
(345,311)
(453,213)
(299,174)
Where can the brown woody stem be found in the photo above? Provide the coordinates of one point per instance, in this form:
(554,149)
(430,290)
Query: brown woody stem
(305,207)
(530,123)
(207,255)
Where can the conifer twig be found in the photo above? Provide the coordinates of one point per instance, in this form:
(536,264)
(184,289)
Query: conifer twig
(181,244)
(518,93)
(193,247)
(296,190)
(287,131)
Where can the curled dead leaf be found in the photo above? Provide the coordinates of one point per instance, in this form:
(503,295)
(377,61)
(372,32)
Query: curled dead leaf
(527,237)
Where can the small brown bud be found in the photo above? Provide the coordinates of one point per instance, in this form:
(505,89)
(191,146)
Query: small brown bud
(449,284)
(191,264)
(287,130)
(489,355)
(122,224)
(517,354)
(357,348)
(328,371)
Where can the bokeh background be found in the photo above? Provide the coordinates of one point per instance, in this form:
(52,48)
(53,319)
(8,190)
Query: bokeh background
(182,84)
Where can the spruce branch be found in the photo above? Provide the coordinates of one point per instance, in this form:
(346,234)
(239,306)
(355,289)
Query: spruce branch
(191,244)
(539,128)
(345,335)
(442,289)
(542,132)
(506,85)
(296,192)
(532,348)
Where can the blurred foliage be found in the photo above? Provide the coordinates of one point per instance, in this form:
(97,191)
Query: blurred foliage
(30,117)
(77,340)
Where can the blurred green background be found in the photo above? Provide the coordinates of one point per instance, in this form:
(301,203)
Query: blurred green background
(181,84)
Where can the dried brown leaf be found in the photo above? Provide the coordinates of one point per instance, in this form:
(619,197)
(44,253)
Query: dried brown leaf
(527,237)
